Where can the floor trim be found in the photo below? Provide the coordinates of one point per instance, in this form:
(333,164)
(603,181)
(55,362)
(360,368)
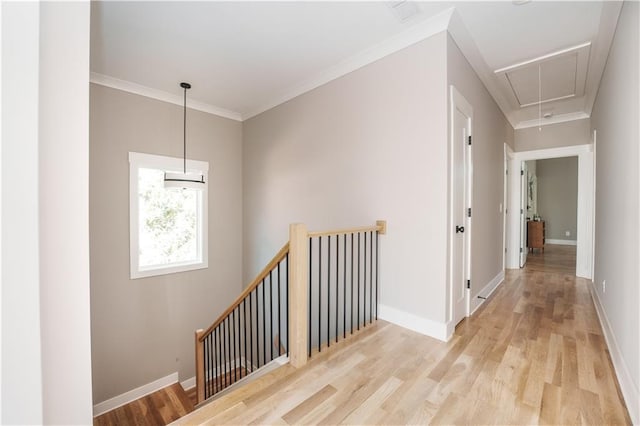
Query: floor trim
(485,292)
(437,330)
(629,391)
(561,242)
(132,395)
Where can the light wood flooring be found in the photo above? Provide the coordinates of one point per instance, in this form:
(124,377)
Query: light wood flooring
(534,353)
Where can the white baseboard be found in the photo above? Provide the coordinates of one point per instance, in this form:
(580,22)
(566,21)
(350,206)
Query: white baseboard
(628,388)
(437,330)
(132,395)
(189,383)
(561,242)
(475,302)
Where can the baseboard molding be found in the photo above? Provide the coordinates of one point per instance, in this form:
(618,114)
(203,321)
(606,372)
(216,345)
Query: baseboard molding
(561,242)
(189,383)
(475,302)
(132,395)
(629,390)
(437,330)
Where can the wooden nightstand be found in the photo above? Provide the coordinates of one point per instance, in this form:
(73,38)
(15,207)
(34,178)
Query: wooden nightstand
(535,234)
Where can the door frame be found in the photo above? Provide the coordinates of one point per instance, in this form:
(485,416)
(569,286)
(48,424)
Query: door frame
(504,209)
(586,201)
(457,101)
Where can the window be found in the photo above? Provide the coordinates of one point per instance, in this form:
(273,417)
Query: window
(168,227)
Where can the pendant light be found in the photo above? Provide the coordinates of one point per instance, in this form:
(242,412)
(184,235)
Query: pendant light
(184,180)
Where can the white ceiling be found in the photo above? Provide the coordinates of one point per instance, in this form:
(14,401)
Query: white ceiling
(245,57)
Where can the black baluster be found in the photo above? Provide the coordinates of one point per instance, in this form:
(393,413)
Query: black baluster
(337,274)
(206,365)
(218,351)
(319,293)
(344,288)
(310,294)
(244,326)
(279,313)
(264,329)
(353,309)
(377,274)
(251,328)
(358,275)
(364,283)
(270,316)
(287,306)
(329,291)
(224,355)
(370,277)
(232,359)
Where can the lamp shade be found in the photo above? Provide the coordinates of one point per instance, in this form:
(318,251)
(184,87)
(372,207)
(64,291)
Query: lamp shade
(184,180)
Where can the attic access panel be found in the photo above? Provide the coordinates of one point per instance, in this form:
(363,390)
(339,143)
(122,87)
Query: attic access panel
(562,75)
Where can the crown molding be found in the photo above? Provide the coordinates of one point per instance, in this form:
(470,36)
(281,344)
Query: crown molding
(560,118)
(138,89)
(412,35)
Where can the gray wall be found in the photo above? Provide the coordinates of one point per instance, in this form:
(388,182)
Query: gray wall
(615,117)
(143,329)
(577,132)
(491,131)
(558,196)
(369,145)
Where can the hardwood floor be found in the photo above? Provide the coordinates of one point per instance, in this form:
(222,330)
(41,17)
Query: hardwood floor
(554,258)
(159,408)
(534,353)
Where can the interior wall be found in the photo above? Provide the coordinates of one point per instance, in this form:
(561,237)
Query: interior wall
(64,212)
(558,196)
(21,383)
(615,118)
(369,145)
(142,329)
(490,131)
(577,132)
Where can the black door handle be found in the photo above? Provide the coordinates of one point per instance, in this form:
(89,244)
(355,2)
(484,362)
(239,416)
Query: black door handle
(459,229)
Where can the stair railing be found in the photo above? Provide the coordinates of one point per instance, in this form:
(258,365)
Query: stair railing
(337,282)
(240,340)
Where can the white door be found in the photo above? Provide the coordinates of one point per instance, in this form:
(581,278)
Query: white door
(460,204)
(524,173)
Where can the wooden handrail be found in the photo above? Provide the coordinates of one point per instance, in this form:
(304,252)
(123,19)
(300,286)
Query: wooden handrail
(379,227)
(256,281)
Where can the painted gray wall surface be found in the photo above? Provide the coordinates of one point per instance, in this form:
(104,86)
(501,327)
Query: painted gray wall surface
(369,145)
(577,132)
(615,117)
(143,329)
(490,131)
(558,196)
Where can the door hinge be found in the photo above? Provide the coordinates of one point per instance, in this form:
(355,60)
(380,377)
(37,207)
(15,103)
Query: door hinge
(506,172)
(520,249)
(521,211)
(521,172)
(469,139)
(469,212)
(468,283)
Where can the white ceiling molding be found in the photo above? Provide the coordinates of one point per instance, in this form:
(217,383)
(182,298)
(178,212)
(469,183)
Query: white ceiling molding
(470,50)
(561,118)
(173,98)
(600,49)
(408,37)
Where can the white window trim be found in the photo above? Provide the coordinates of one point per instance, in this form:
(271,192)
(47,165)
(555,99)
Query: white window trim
(138,160)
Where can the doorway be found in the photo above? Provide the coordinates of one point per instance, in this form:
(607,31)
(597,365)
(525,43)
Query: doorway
(460,206)
(585,202)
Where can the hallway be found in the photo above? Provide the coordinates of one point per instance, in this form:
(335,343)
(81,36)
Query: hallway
(534,353)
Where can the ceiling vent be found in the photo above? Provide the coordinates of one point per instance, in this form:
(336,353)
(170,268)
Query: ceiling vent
(403,10)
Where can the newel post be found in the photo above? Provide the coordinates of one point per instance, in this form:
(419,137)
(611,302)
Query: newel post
(298,285)
(199,366)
